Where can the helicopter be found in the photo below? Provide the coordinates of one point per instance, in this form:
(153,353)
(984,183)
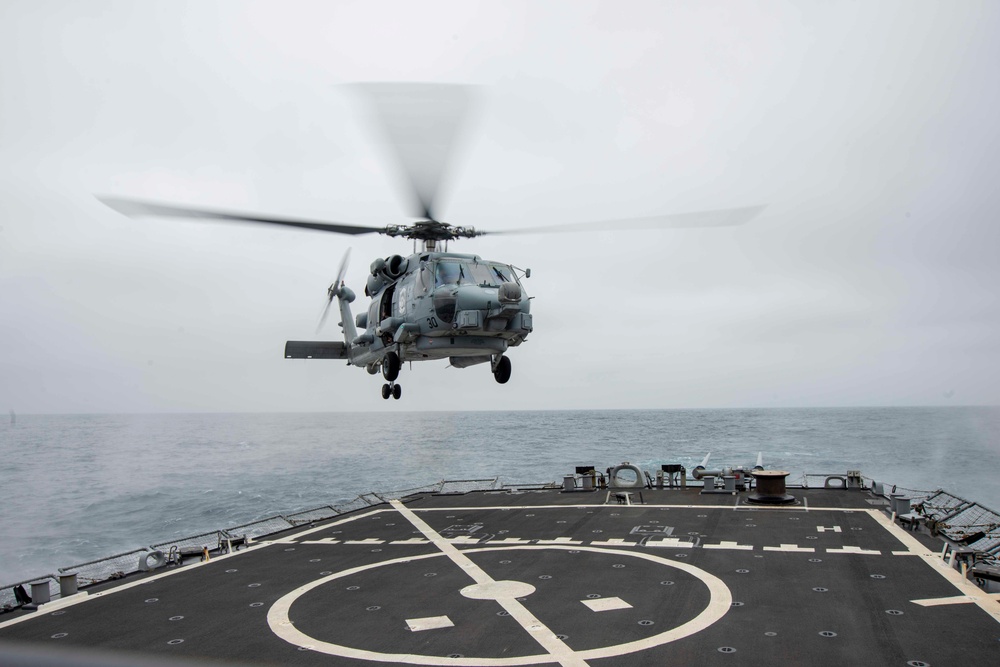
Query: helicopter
(433,304)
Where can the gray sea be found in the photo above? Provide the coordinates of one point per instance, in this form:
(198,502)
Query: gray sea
(81,487)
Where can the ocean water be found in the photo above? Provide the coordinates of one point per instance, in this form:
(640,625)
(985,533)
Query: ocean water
(81,487)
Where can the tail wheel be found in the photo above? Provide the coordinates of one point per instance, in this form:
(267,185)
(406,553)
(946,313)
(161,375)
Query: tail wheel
(386,391)
(397,391)
(390,367)
(502,372)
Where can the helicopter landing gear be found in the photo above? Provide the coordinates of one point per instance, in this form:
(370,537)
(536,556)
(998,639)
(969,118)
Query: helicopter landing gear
(390,367)
(501,369)
(390,371)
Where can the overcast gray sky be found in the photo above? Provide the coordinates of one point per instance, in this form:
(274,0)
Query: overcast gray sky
(869,128)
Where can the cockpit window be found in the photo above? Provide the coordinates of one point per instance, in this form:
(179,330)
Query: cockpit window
(482,274)
(450,273)
(486,274)
(503,273)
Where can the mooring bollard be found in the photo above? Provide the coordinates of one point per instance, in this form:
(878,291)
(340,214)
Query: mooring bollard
(40,594)
(900,503)
(67,584)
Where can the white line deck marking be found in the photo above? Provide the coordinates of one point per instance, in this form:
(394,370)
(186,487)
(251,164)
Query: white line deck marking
(509,540)
(670,542)
(958,599)
(541,634)
(824,529)
(728,545)
(606,604)
(325,540)
(854,550)
(367,540)
(791,548)
(558,540)
(429,623)
(614,542)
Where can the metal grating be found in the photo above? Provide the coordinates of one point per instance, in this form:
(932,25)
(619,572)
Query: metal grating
(352,505)
(941,504)
(386,496)
(112,567)
(467,485)
(961,521)
(972,519)
(308,516)
(375,498)
(255,529)
(989,544)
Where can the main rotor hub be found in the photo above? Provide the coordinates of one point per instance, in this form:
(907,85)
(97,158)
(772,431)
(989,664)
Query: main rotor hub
(431,230)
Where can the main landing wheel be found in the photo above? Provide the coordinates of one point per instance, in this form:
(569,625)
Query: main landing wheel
(397,391)
(386,391)
(390,367)
(502,372)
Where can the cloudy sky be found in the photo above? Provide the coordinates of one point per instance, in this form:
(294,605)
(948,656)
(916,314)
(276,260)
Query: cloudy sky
(870,130)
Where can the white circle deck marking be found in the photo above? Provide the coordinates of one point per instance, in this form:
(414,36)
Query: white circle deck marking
(720,599)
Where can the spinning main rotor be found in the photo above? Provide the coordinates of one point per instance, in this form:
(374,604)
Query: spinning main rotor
(422,125)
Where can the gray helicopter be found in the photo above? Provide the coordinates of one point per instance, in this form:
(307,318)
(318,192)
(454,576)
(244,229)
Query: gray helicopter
(430,305)
(433,304)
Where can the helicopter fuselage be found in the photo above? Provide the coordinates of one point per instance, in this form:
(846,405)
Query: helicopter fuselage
(430,305)
(441,305)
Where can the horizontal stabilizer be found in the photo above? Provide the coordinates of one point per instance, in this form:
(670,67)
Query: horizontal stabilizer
(315,349)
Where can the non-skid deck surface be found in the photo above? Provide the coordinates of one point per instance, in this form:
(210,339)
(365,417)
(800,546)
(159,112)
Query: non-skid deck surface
(550,577)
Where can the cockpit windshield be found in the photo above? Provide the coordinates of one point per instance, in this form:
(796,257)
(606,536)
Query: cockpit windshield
(484,274)
(450,273)
(503,273)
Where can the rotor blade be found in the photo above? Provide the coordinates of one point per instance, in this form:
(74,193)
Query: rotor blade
(326,311)
(342,271)
(135,208)
(727,217)
(332,292)
(421,123)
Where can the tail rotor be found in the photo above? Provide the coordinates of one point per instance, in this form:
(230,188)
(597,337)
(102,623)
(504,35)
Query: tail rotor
(335,289)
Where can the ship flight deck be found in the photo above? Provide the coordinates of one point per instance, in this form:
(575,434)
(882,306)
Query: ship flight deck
(497,578)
